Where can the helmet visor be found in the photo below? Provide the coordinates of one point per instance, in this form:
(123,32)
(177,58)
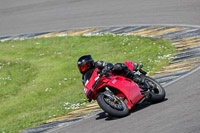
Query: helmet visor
(84,67)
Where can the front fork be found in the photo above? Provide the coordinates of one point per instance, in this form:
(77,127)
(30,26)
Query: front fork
(110,94)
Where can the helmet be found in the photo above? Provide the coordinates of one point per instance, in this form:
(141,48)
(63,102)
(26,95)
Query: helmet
(85,63)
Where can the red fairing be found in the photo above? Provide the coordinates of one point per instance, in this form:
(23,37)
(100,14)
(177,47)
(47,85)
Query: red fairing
(88,86)
(129,64)
(131,90)
(126,87)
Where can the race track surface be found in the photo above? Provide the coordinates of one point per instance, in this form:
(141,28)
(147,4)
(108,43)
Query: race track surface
(180,113)
(33,16)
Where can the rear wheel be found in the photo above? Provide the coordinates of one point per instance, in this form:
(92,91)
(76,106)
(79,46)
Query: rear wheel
(113,107)
(156,91)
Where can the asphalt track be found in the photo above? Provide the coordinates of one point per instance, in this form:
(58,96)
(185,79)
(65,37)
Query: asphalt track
(34,16)
(180,113)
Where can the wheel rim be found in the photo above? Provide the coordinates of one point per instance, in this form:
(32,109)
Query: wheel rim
(154,87)
(114,104)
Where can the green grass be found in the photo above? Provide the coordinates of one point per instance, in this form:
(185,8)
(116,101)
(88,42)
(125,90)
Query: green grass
(39,79)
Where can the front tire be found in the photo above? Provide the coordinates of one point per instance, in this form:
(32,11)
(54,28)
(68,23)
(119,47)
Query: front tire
(118,110)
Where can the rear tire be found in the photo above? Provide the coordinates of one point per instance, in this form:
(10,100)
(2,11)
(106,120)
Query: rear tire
(157,92)
(101,99)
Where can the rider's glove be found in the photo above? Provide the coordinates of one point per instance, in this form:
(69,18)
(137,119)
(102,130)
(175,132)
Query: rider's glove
(107,68)
(110,66)
(104,71)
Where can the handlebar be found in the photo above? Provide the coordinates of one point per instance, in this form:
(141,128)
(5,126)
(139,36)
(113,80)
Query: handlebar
(143,72)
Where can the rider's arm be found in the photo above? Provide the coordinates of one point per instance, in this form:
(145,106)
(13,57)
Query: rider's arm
(100,64)
(103,66)
(120,66)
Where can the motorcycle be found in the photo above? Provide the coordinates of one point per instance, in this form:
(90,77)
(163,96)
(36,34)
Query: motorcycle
(117,94)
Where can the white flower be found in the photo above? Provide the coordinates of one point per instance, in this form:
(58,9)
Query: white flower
(156,61)
(83,103)
(67,103)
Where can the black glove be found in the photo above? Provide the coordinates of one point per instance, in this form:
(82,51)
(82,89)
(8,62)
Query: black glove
(100,64)
(107,68)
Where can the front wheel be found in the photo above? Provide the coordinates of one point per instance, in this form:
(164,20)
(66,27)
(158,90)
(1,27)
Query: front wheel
(156,91)
(113,107)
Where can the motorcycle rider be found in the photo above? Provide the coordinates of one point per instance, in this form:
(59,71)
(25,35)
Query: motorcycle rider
(86,64)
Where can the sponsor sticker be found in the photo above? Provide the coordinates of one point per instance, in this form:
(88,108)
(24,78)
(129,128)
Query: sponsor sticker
(96,78)
(86,82)
(114,81)
(85,89)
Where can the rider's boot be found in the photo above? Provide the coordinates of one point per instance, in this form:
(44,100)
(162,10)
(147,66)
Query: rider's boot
(137,79)
(130,74)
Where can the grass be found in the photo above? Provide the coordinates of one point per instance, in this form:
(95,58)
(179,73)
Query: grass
(39,79)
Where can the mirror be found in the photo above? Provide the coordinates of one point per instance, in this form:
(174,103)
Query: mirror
(141,66)
(135,66)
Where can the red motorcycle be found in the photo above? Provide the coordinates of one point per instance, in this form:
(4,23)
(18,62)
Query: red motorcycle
(117,94)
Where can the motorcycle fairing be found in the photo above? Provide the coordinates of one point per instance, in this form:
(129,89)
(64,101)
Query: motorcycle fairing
(127,87)
(88,85)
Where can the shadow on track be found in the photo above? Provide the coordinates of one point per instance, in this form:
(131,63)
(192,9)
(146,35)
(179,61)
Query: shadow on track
(107,117)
